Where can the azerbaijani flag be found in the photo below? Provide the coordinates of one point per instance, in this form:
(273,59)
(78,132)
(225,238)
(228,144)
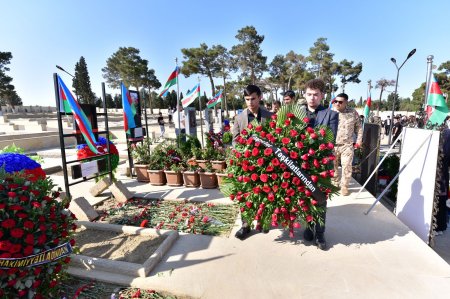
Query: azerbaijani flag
(214,101)
(436,100)
(69,104)
(331,101)
(129,110)
(367,107)
(191,96)
(170,82)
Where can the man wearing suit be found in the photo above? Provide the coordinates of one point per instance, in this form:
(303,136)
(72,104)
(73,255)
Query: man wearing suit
(252,95)
(318,115)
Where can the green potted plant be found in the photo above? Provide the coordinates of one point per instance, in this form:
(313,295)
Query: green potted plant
(174,166)
(218,159)
(208,178)
(141,155)
(190,174)
(157,162)
(199,157)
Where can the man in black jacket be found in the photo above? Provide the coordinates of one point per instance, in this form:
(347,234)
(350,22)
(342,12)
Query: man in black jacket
(318,115)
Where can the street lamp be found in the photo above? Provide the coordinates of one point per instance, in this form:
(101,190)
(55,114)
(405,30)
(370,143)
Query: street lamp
(395,92)
(58,67)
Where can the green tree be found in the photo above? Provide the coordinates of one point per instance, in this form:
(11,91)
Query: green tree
(382,84)
(126,66)
(110,101)
(248,53)
(278,69)
(203,61)
(118,101)
(348,72)
(226,66)
(320,58)
(390,100)
(150,82)
(82,83)
(8,94)
(296,68)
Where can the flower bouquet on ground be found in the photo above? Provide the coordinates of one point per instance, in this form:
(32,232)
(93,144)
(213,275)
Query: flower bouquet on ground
(35,231)
(281,171)
(83,151)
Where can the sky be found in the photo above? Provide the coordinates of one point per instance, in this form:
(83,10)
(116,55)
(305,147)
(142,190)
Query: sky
(42,34)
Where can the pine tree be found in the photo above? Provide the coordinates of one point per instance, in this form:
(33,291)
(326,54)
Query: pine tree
(82,83)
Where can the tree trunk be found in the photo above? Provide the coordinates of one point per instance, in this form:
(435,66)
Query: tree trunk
(150,102)
(381,94)
(212,84)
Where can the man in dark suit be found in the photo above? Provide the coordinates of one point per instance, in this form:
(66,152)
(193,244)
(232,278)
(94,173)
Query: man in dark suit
(318,115)
(252,95)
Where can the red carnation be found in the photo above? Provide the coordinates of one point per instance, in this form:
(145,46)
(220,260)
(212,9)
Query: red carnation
(260,161)
(268,152)
(255,152)
(284,185)
(272,124)
(15,208)
(266,189)
(270,197)
(314,178)
(23,198)
(247,154)
(28,250)
(258,128)
(274,176)
(290,115)
(316,163)
(278,130)
(304,157)
(275,162)
(53,283)
(293,155)
(309,218)
(269,168)
(256,190)
(285,140)
(249,204)
(16,233)
(275,188)
(286,175)
(287,122)
(254,177)
(244,132)
(8,223)
(263,177)
(293,133)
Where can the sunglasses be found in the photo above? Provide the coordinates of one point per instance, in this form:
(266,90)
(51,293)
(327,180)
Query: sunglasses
(339,102)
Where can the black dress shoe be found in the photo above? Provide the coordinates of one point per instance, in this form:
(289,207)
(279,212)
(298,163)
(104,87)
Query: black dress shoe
(308,234)
(242,233)
(320,241)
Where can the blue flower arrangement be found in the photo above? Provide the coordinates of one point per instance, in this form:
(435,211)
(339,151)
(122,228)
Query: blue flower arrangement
(16,162)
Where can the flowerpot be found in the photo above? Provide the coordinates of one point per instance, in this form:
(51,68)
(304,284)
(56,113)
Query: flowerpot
(218,165)
(220,177)
(208,180)
(191,178)
(156,177)
(174,178)
(201,163)
(141,172)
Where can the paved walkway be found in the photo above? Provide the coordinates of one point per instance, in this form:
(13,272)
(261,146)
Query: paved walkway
(370,256)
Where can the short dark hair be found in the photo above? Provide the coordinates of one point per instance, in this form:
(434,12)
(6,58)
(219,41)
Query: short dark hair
(290,93)
(251,89)
(315,84)
(342,95)
(278,103)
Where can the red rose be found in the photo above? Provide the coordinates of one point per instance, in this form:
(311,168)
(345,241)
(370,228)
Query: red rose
(232,196)
(322,147)
(269,168)
(287,200)
(309,218)
(275,188)
(283,166)
(311,152)
(290,192)
(53,283)
(35,192)
(250,126)
(324,174)
(257,144)
(263,178)
(255,152)
(274,116)
(285,140)
(314,178)
(330,145)
(284,185)
(263,134)
(5,245)
(15,248)
(16,233)
(36,284)
(244,132)
(272,124)
(260,161)
(256,190)
(12,282)
(270,197)
(308,192)
(275,162)
(278,130)
(325,161)
(15,208)
(8,223)
(247,154)
(254,177)
(287,122)
(305,165)
(290,115)
(293,133)
(274,176)
(36,204)
(249,141)
(266,189)
(72,242)
(2,205)
(12,194)
(13,186)
(316,163)
(28,250)
(306,120)
(258,128)
(23,198)
(249,204)
(296,225)
(246,179)
(41,239)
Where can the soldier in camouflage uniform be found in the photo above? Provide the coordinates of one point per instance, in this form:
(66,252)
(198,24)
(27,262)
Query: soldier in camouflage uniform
(349,123)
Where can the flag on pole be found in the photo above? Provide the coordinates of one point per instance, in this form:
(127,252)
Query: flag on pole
(214,101)
(170,82)
(129,110)
(69,104)
(191,96)
(367,107)
(437,101)
(331,101)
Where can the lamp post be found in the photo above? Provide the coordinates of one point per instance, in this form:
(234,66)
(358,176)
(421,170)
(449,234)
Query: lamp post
(395,92)
(58,67)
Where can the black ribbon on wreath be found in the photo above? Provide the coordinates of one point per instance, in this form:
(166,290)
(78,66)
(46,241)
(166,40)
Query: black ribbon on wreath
(295,169)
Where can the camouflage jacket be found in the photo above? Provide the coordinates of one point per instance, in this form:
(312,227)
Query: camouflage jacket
(349,123)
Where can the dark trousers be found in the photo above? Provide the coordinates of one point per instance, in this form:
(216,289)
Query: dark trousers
(442,215)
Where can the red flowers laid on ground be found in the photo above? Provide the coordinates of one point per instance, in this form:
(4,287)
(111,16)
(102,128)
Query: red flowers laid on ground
(281,196)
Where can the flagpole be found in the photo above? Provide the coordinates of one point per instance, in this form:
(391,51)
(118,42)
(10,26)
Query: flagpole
(428,82)
(178,106)
(200,108)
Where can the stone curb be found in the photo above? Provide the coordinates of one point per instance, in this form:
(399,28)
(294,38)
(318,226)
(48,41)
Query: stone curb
(120,267)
